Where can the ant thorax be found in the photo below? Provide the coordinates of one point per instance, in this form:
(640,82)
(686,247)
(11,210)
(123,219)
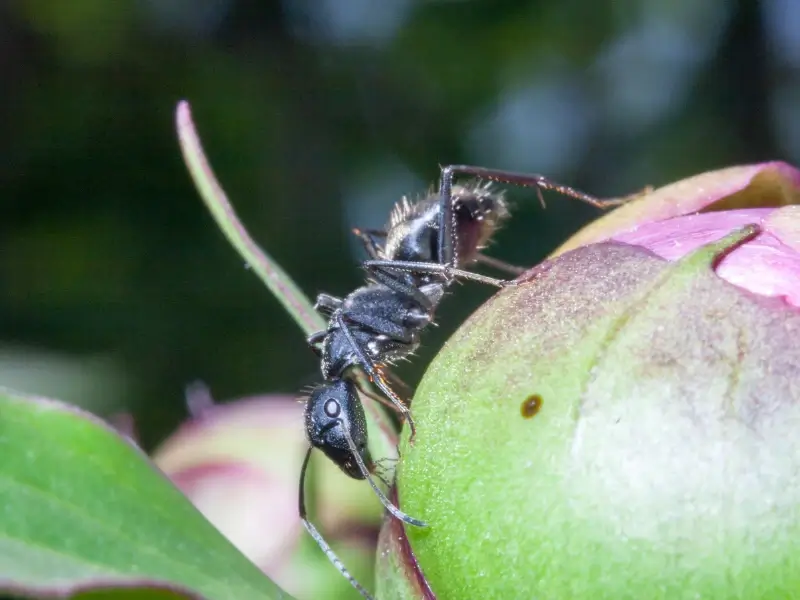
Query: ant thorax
(337,351)
(412,233)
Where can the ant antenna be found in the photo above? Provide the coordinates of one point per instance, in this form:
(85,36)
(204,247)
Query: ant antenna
(396,512)
(540,195)
(318,537)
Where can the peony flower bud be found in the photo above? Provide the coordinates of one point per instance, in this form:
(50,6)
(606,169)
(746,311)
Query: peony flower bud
(239,463)
(623,423)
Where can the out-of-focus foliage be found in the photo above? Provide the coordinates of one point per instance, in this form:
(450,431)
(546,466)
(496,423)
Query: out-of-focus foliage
(318,115)
(84,514)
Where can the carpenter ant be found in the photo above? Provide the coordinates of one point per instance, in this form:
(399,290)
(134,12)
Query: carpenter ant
(424,248)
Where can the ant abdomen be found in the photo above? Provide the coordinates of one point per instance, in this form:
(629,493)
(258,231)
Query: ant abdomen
(478,213)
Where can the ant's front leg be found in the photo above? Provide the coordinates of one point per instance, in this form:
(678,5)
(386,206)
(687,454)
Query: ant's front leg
(374,373)
(314,341)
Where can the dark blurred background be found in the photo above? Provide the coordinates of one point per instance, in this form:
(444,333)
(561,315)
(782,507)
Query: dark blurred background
(116,288)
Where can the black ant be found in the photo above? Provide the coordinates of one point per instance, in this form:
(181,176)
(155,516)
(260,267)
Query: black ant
(423,249)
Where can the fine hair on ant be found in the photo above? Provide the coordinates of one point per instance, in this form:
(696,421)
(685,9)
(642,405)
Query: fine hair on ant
(425,246)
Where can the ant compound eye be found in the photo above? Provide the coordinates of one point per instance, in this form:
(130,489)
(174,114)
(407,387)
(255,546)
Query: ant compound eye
(332,408)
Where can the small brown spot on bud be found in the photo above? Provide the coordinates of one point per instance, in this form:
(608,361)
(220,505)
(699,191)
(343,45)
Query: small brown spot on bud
(531,406)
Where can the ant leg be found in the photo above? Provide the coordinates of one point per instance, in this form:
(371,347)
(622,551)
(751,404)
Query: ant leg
(367,237)
(648,189)
(381,462)
(376,376)
(523,179)
(314,340)
(378,233)
(373,396)
(499,265)
(447,246)
(387,504)
(378,268)
(326,303)
(316,337)
(438,268)
(318,536)
(383,472)
(377,397)
(395,379)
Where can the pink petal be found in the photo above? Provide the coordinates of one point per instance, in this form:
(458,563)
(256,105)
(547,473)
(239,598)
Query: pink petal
(255,512)
(771,184)
(765,265)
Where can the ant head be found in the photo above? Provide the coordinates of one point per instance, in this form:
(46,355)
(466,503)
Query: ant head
(333,414)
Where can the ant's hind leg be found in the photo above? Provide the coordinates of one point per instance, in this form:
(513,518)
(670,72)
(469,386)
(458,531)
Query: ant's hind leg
(377,268)
(522,179)
(648,189)
(534,180)
(446,245)
(442,269)
(500,265)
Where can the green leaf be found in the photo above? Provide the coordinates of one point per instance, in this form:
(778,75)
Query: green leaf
(83,510)
(268,271)
(282,286)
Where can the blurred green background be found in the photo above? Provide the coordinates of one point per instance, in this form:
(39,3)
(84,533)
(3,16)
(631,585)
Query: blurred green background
(116,288)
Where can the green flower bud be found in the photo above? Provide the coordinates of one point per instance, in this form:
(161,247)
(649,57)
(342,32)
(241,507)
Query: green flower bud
(623,424)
